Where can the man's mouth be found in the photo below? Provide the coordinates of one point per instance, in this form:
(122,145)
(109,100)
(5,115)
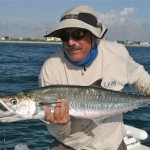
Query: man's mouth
(73,47)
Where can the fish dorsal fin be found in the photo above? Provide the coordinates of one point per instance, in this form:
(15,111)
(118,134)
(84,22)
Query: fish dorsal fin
(97,83)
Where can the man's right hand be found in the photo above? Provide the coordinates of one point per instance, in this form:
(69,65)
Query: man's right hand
(60,114)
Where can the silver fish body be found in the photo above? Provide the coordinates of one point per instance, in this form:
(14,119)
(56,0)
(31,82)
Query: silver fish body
(85,102)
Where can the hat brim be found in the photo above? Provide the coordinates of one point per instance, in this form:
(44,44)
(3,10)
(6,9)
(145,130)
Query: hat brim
(74,23)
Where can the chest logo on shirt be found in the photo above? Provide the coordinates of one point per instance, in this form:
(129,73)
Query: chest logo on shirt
(109,84)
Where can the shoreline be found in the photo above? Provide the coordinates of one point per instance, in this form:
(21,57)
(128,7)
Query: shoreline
(32,42)
(135,45)
(52,42)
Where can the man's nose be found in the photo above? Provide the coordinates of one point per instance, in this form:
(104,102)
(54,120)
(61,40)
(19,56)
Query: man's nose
(71,41)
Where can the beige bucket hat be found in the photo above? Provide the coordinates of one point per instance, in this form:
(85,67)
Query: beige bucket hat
(79,17)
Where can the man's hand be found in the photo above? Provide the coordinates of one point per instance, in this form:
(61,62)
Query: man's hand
(60,114)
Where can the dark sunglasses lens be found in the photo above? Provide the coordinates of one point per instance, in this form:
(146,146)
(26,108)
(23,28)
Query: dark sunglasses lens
(78,35)
(64,36)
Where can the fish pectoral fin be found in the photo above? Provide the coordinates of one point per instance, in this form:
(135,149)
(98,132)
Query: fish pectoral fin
(47,104)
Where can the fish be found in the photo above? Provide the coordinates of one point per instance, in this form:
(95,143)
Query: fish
(89,102)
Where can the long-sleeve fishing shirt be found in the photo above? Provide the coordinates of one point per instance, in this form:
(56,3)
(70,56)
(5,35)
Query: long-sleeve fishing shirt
(115,67)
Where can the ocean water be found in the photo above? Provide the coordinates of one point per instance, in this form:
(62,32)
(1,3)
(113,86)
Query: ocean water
(20,64)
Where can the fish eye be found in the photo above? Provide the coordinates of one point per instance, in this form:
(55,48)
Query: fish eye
(13,101)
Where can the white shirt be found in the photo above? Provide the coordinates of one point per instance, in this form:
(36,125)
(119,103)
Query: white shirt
(115,68)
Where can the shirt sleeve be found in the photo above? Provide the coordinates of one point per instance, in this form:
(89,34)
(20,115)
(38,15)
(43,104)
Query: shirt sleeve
(47,77)
(59,131)
(138,77)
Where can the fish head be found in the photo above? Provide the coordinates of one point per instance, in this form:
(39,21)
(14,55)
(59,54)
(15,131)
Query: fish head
(16,107)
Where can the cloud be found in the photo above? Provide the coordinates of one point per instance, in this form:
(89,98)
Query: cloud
(121,25)
(21,27)
(115,17)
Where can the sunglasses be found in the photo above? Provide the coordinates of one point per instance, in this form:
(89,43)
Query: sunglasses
(76,35)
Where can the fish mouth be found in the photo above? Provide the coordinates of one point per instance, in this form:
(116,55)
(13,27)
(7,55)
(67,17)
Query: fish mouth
(2,107)
(7,115)
(5,111)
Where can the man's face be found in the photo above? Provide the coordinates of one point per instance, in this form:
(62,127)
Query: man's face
(76,43)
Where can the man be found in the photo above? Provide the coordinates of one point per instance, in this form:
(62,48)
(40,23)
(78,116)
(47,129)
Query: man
(84,59)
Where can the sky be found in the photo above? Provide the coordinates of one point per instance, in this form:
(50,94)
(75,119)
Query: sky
(127,20)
